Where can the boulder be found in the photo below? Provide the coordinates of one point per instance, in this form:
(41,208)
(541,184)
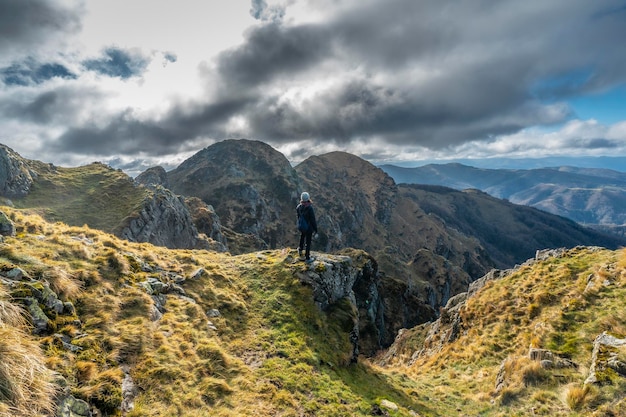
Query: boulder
(7,228)
(608,360)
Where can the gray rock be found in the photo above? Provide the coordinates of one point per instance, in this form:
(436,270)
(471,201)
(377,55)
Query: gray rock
(7,228)
(73,407)
(16,274)
(608,355)
(198,273)
(153,177)
(350,284)
(164,220)
(38,317)
(129,391)
(16,176)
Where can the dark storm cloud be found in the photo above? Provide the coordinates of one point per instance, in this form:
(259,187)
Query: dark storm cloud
(58,106)
(26,24)
(30,72)
(465,70)
(125,134)
(430,72)
(117,62)
(272,51)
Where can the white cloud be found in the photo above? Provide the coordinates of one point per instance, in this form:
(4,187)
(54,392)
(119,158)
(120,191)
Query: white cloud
(383,79)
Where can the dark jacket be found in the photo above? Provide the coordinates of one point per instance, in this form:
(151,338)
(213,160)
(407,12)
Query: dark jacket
(305,209)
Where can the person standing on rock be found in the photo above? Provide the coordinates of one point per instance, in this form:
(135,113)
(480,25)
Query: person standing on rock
(307,226)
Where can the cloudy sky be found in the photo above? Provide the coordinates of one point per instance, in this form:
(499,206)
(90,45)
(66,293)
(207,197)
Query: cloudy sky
(138,83)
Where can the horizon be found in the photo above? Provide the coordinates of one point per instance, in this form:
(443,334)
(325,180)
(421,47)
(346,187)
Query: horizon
(615,163)
(397,82)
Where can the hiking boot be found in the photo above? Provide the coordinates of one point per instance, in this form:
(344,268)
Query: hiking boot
(309,260)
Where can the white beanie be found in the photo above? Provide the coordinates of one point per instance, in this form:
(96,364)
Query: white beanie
(304,196)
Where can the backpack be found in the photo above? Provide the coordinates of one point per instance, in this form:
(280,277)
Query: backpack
(303,225)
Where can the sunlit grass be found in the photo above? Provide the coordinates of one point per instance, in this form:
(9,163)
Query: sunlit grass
(241,335)
(561,304)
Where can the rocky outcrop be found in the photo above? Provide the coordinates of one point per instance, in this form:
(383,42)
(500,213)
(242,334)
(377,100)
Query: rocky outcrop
(152,177)
(333,280)
(352,282)
(207,222)
(608,360)
(42,304)
(16,177)
(163,220)
(70,406)
(204,218)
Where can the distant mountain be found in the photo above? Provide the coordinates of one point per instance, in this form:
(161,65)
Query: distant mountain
(252,187)
(590,196)
(615,163)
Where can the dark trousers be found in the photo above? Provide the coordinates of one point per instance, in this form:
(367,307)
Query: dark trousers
(305,239)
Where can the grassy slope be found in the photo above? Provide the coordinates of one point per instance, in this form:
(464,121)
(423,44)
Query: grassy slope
(273,353)
(93,194)
(560,304)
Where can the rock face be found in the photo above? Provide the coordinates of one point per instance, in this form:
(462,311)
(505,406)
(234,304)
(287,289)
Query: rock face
(164,220)
(16,177)
(208,223)
(352,282)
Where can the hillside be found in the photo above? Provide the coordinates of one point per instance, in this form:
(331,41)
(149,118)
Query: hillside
(103,198)
(585,195)
(139,330)
(547,338)
(92,194)
(159,332)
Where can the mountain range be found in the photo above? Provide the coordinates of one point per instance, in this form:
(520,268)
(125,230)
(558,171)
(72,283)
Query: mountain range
(390,257)
(590,196)
(239,196)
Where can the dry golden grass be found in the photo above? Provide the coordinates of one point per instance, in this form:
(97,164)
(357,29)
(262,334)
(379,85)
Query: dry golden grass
(271,352)
(560,304)
(25,382)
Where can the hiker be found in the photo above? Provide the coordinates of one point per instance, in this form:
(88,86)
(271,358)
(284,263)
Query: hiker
(306,225)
